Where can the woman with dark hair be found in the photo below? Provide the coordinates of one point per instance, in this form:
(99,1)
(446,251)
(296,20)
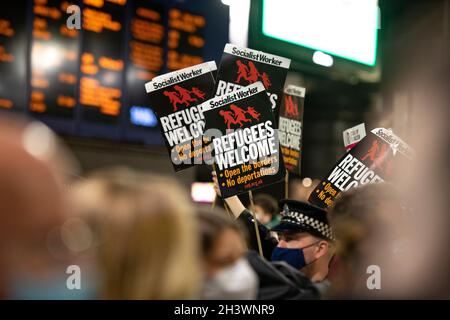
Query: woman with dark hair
(227,273)
(233,272)
(266,210)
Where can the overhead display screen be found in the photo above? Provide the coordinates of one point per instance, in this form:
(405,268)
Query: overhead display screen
(102,60)
(54,60)
(13,54)
(90,81)
(344,28)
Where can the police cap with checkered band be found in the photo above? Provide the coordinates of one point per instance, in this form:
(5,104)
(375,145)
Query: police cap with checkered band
(299,217)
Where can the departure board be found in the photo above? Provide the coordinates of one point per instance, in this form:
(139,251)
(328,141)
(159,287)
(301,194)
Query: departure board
(102,60)
(90,81)
(13,55)
(185,39)
(145,58)
(54,60)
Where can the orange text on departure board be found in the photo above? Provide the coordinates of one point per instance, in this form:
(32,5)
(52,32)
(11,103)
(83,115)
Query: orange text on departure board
(93,94)
(37,103)
(70,33)
(185,21)
(97,21)
(41,83)
(88,65)
(101,3)
(68,78)
(176,60)
(146,52)
(6,103)
(48,12)
(5,56)
(148,14)
(65,101)
(5,28)
(147,31)
(188,25)
(146,56)
(111,64)
(40,30)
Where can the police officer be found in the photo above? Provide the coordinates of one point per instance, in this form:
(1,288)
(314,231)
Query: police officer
(305,239)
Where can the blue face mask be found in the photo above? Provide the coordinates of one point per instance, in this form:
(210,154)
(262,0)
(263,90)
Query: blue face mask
(292,256)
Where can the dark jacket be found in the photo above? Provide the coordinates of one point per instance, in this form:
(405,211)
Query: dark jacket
(277,280)
(267,241)
(280,281)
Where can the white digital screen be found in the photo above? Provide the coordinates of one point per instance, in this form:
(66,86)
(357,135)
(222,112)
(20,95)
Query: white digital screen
(343,28)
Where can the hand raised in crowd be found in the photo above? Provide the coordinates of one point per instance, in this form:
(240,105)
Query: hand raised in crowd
(234,203)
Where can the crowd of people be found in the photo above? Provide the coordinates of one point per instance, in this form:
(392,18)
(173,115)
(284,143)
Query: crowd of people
(134,235)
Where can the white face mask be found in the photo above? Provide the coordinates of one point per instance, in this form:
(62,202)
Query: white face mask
(236,282)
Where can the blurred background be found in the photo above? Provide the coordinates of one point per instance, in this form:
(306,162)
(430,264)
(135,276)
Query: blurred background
(357,59)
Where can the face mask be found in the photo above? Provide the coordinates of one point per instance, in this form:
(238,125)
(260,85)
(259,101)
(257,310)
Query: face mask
(237,282)
(292,256)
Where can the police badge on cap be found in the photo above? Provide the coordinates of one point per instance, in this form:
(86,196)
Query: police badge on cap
(299,216)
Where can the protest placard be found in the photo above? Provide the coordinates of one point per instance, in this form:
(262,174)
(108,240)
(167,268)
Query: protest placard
(175,98)
(245,146)
(353,135)
(290,127)
(376,158)
(240,67)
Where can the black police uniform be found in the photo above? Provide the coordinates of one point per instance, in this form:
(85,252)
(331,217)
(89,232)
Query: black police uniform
(278,280)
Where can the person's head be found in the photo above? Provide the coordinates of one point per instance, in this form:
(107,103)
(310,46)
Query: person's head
(370,225)
(33,168)
(265,207)
(146,234)
(305,239)
(227,274)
